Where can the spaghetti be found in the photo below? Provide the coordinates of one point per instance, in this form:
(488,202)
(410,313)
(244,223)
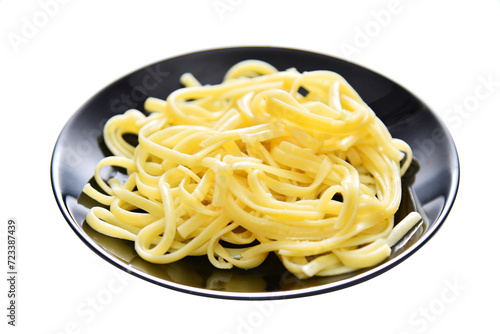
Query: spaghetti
(266,161)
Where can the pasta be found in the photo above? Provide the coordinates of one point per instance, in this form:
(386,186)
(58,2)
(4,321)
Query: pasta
(266,161)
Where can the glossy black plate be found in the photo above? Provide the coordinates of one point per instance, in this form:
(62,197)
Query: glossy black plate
(430,186)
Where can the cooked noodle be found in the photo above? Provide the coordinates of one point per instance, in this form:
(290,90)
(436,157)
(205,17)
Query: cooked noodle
(266,161)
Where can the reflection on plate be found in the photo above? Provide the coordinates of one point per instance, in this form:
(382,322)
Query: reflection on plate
(430,186)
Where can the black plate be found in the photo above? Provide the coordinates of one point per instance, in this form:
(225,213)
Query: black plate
(430,186)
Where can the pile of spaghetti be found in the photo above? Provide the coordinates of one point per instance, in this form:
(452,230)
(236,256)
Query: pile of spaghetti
(266,161)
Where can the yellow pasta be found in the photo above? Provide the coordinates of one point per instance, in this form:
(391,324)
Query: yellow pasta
(266,161)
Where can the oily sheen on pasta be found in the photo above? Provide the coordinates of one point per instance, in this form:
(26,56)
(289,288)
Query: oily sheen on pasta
(266,161)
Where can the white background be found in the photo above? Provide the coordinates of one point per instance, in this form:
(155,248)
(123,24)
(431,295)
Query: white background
(443,51)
